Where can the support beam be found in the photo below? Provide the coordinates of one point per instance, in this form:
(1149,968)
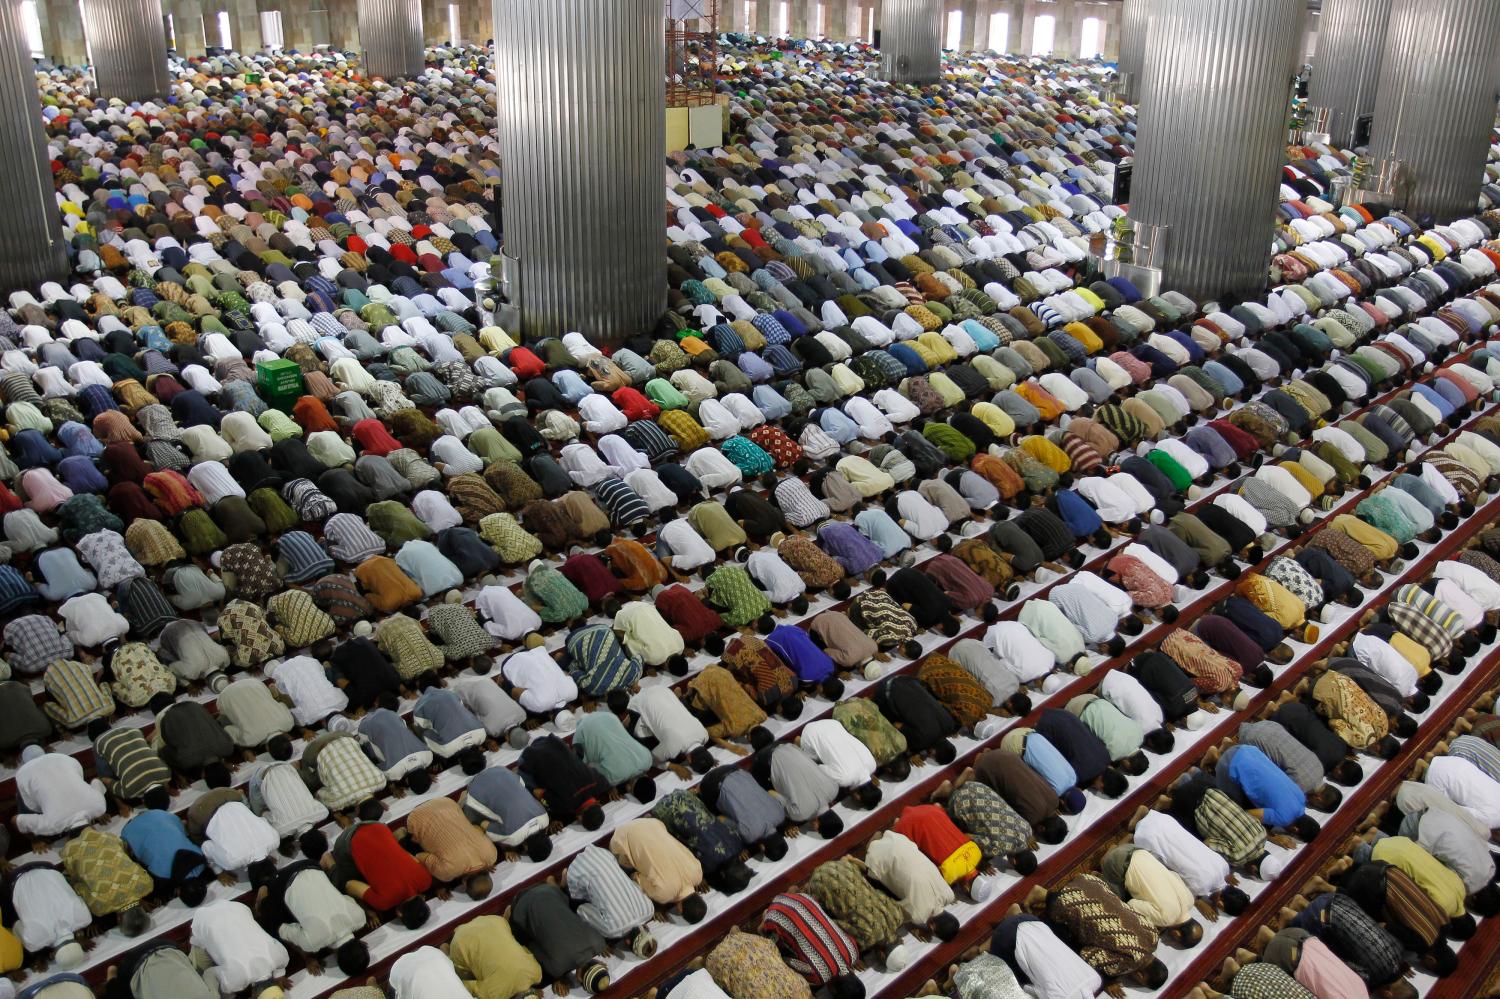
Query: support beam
(1346,67)
(128,41)
(582,126)
(1212,138)
(390,33)
(1435,106)
(1134,20)
(911,41)
(31,241)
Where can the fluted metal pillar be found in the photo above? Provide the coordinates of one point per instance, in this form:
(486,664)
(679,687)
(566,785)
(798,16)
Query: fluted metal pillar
(582,129)
(1346,67)
(31,240)
(390,33)
(911,40)
(1212,136)
(1133,23)
(1435,107)
(128,41)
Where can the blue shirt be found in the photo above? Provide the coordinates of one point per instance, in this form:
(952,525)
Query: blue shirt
(155,838)
(878,526)
(797,649)
(1044,758)
(1263,784)
(572,387)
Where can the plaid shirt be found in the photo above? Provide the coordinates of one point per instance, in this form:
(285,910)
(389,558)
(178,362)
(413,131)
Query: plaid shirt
(335,767)
(995,827)
(33,643)
(1228,829)
(1362,943)
(76,697)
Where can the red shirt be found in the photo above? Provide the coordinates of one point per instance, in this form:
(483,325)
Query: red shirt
(374,438)
(682,609)
(524,363)
(929,827)
(394,876)
(634,405)
(592,576)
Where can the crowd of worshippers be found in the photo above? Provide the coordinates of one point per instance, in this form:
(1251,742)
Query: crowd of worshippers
(519,583)
(1393,896)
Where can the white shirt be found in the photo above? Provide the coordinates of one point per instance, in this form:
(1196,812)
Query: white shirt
(1112,503)
(313,696)
(1284,483)
(622,458)
(1195,463)
(1132,699)
(1055,971)
(1201,869)
(426,973)
(243,954)
(1131,486)
(434,510)
(48,910)
(58,797)
(1112,596)
(779,580)
(1440,485)
(544,686)
(1153,561)
(699,985)
(910,875)
(583,465)
(1390,665)
(1343,442)
(664,718)
(712,469)
(600,416)
(325,917)
(1469,787)
(687,548)
(237,837)
(873,424)
(214,481)
(649,487)
(1020,650)
(897,407)
(745,411)
(506,616)
(1240,509)
(716,418)
(1480,588)
(91,621)
(1457,597)
(848,761)
(919,518)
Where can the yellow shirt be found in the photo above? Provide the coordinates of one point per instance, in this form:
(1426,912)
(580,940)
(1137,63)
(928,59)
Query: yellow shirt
(1439,882)
(490,961)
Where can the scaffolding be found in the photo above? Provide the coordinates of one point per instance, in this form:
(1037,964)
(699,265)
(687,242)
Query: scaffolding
(692,52)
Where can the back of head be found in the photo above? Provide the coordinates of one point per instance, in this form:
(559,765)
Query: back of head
(414,913)
(694,908)
(353,958)
(538,847)
(592,817)
(830,825)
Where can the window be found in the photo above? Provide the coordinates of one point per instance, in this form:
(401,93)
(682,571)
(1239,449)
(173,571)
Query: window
(226,39)
(1041,35)
(783,18)
(270,29)
(954,38)
(455,35)
(1091,39)
(747,15)
(999,31)
(170,23)
(31,24)
(820,21)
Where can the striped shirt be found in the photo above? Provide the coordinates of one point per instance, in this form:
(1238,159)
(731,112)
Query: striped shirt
(624,504)
(599,663)
(76,697)
(124,753)
(817,948)
(612,903)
